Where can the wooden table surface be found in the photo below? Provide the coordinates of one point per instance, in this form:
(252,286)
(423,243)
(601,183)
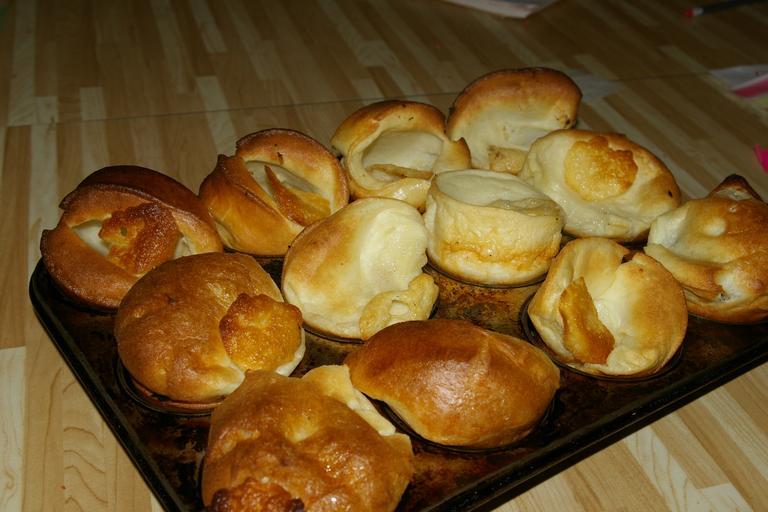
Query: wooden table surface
(168,84)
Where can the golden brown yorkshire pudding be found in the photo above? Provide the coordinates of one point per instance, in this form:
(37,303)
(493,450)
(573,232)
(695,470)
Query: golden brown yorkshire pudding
(277,182)
(360,269)
(119,223)
(455,383)
(717,248)
(607,185)
(606,316)
(280,443)
(502,113)
(491,228)
(192,327)
(393,148)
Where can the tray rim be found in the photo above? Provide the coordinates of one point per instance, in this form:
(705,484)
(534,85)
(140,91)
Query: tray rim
(484,494)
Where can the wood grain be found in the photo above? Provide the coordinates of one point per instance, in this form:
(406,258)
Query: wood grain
(169,84)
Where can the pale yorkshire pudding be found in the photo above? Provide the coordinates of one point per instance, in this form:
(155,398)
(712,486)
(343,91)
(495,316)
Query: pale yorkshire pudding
(118,224)
(607,185)
(606,316)
(490,228)
(455,383)
(717,248)
(360,269)
(277,182)
(392,149)
(190,329)
(280,443)
(502,113)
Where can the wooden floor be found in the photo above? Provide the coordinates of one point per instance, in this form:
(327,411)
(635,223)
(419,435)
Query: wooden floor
(168,84)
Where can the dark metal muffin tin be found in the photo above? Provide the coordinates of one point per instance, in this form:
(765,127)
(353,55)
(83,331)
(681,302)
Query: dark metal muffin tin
(587,414)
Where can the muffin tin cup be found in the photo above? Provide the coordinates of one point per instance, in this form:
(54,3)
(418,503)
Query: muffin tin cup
(159,403)
(495,308)
(533,337)
(402,426)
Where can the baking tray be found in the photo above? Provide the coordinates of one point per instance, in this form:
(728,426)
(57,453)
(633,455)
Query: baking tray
(586,415)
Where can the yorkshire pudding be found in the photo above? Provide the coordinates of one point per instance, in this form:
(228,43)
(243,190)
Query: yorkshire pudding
(393,148)
(118,224)
(502,113)
(277,182)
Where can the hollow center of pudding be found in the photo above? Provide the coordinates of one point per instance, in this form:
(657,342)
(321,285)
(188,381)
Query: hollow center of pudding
(495,190)
(296,198)
(402,154)
(503,137)
(286,177)
(89,233)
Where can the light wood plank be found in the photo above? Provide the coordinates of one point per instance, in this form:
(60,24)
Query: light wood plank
(92,103)
(206,24)
(14,227)
(21,98)
(665,472)
(12,428)
(46,375)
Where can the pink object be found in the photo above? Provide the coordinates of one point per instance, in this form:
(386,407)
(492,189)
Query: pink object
(762,156)
(752,88)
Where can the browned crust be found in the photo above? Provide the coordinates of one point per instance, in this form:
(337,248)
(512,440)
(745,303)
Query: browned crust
(398,115)
(640,189)
(725,275)
(82,273)
(86,275)
(286,432)
(168,326)
(141,237)
(260,321)
(301,153)
(236,201)
(584,335)
(455,383)
(735,184)
(753,309)
(255,496)
(649,307)
(521,88)
(661,307)
(249,219)
(411,115)
(148,184)
(595,171)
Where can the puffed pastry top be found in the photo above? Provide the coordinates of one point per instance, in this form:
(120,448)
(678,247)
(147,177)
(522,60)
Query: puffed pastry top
(491,228)
(191,328)
(502,113)
(455,383)
(606,311)
(717,248)
(289,444)
(277,182)
(360,269)
(607,185)
(393,148)
(118,224)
